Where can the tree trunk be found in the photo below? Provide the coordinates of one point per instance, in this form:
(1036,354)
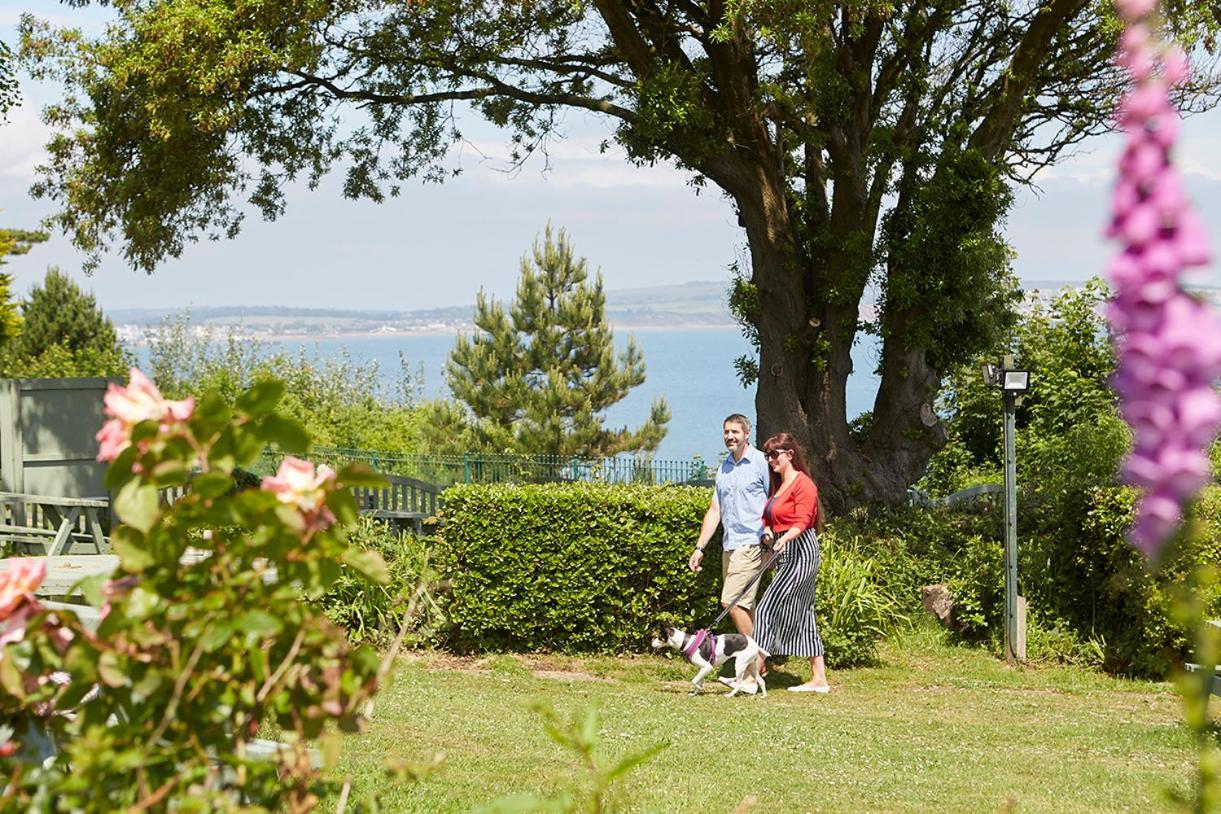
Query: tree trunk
(805,360)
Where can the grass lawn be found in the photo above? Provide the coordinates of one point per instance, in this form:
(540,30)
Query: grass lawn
(935,728)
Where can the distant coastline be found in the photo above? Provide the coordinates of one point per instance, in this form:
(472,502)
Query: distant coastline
(687,307)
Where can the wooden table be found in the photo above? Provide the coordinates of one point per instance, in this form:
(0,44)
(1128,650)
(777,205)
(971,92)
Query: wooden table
(65,571)
(53,525)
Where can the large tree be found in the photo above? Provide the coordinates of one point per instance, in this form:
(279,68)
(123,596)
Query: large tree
(537,377)
(860,142)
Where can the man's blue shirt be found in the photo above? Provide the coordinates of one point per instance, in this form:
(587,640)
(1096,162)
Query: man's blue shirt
(741,492)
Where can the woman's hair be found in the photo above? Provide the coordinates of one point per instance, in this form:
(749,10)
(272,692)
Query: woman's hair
(785,441)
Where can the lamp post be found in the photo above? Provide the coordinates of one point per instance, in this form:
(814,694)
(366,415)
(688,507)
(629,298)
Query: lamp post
(1012,383)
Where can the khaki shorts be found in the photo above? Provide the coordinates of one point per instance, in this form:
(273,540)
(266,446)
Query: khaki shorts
(738,567)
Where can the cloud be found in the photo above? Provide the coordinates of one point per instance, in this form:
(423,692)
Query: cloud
(22,143)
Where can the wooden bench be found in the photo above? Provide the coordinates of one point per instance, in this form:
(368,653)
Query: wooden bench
(42,524)
(405,502)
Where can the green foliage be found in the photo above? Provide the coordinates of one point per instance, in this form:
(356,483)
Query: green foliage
(12,242)
(1091,597)
(855,607)
(594,568)
(949,223)
(64,334)
(339,400)
(1070,435)
(873,143)
(594,793)
(572,567)
(194,655)
(371,611)
(537,378)
(10,93)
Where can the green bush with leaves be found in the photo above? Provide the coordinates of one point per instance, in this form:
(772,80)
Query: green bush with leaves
(594,567)
(855,607)
(193,654)
(581,567)
(371,611)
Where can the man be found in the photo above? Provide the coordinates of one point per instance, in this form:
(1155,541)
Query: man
(737,506)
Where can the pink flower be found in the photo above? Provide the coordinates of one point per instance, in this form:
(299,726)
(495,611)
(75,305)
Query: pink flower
(17,600)
(297,484)
(1168,343)
(128,406)
(19,582)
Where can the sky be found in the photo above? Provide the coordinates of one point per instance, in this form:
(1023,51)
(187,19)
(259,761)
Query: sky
(437,245)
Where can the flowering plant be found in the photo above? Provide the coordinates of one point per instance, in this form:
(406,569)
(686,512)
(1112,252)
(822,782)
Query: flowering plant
(158,708)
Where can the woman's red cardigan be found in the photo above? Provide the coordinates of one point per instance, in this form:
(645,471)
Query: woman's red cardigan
(796,508)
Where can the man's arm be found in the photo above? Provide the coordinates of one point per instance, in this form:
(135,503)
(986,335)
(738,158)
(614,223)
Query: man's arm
(712,519)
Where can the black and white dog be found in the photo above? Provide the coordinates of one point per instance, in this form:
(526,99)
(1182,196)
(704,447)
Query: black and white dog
(708,651)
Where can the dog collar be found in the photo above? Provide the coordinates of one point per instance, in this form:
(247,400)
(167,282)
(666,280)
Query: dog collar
(697,640)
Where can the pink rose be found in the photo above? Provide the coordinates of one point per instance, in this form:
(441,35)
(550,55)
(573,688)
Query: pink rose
(19,582)
(128,406)
(297,484)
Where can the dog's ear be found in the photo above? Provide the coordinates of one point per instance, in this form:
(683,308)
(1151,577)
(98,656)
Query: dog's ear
(667,630)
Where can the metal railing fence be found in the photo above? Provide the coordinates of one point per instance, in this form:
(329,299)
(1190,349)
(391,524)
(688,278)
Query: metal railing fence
(481,467)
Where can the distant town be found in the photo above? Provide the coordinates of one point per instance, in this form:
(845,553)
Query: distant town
(686,306)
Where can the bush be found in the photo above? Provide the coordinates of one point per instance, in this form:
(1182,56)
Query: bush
(580,567)
(855,608)
(595,567)
(371,611)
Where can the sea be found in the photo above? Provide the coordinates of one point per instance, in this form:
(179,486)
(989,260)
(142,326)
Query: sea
(691,368)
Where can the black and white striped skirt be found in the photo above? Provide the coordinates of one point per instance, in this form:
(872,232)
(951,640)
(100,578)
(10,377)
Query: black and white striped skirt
(784,620)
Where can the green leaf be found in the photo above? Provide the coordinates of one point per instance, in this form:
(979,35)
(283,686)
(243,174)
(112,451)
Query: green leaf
(91,589)
(261,623)
(261,398)
(211,484)
(138,505)
(343,504)
(369,563)
(212,409)
(129,544)
(119,471)
(111,670)
(354,475)
(632,761)
(216,636)
(285,433)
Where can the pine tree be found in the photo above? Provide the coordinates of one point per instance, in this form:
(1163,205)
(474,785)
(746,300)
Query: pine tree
(536,379)
(65,333)
(12,242)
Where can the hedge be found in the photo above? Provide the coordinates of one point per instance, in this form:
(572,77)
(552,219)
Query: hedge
(578,567)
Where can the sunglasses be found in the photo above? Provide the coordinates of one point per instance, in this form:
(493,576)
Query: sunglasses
(775,453)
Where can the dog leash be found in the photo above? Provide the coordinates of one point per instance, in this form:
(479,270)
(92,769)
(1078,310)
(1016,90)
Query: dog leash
(742,592)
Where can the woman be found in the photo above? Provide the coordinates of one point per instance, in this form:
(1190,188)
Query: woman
(784,620)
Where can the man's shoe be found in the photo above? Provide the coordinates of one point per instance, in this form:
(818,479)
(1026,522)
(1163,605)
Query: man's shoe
(748,685)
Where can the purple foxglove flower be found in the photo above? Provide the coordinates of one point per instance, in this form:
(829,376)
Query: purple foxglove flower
(1168,344)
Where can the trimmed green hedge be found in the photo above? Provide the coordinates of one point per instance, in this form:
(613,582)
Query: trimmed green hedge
(594,568)
(577,567)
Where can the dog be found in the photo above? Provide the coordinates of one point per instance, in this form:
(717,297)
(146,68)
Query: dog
(710,651)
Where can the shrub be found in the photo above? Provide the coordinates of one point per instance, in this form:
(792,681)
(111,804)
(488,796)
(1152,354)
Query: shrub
(157,708)
(369,610)
(595,567)
(581,567)
(855,608)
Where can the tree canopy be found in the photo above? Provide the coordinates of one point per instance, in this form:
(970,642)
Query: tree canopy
(537,377)
(860,143)
(64,333)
